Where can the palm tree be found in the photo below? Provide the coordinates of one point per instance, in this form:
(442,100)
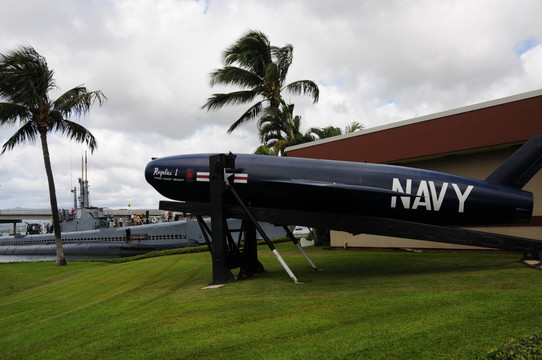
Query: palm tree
(25,83)
(265,150)
(329,131)
(325,132)
(279,128)
(260,70)
(353,127)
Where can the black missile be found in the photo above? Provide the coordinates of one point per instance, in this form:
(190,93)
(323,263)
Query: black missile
(376,190)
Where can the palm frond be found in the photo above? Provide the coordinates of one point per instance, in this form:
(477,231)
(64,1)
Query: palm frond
(271,130)
(25,77)
(272,77)
(232,75)
(11,113)
(269,113)
(280,146)
(28,132)
(77,101)
(284,56)
(217,101)
(250,114)
(297,122)
(325,132)
(264,150)
(75,132)
(353,127)
(304,87)
(251,51)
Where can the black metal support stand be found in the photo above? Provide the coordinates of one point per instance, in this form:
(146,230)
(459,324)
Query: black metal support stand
(226,253)
(217,166)
(250,265)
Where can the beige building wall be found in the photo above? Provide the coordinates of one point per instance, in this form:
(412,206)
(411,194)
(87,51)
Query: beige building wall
(477,165)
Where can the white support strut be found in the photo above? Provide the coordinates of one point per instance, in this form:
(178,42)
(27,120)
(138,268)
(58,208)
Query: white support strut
(306,256)
(285,266)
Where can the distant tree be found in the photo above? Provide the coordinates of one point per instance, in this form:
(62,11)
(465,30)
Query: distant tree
(260,70)
(278,124)
(25,83)
(353,127)
(265,150)
(325,132)
(279,128)
(329,131)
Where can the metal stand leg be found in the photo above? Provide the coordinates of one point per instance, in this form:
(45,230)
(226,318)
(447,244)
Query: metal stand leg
(250,265)
(205,231)
(221,271)
(294,240)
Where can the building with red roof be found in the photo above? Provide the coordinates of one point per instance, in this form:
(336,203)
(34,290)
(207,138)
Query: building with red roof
(469,141)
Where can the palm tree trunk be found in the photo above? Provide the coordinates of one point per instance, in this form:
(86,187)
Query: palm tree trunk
(60,259)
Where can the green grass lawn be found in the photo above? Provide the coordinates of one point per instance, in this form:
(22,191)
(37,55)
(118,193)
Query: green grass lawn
(365,305)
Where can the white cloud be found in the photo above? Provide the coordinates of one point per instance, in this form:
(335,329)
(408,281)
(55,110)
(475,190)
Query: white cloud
(375,62)
(531,61)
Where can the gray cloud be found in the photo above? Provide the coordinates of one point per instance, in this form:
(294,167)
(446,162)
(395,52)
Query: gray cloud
(375,62)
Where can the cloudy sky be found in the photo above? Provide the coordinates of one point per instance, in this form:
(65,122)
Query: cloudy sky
(376,62)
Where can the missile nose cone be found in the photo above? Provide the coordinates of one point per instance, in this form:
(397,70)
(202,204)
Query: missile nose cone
(150,169)
(147,169)
(175,177)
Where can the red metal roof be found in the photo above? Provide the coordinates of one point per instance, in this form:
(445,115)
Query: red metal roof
(510,120)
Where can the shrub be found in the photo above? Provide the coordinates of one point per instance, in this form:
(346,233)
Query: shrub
(527,348)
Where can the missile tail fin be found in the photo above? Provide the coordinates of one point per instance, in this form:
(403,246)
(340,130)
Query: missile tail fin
(519,168)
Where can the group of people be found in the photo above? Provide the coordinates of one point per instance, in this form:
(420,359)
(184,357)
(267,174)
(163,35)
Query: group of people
(65,214)
(170,216)
(138,219)
(110,221)
(38,229)
(135,219)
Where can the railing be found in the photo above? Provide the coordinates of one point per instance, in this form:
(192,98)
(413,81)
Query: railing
(18,215)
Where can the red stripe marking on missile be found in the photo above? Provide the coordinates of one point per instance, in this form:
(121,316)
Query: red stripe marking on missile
(202,176)
(241,178)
